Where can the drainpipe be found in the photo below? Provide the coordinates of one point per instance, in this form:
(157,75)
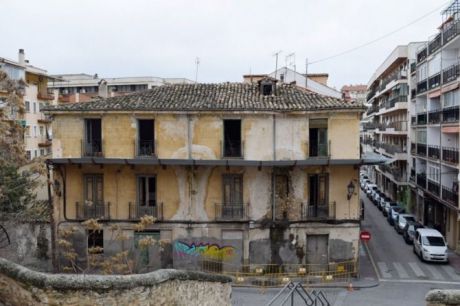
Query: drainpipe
(273,170)
(52,221)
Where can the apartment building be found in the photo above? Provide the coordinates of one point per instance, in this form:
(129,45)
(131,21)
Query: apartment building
(260,173)
(35,95)
(355,93)
(385,124)
(435,128)
(83,87)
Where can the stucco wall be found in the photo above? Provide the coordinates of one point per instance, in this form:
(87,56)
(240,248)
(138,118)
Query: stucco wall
(21,286)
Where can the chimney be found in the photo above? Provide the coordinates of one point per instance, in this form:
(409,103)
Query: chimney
(21,57)
(103,90)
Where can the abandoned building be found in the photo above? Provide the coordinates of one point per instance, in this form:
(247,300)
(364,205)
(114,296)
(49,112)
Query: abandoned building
(261,173)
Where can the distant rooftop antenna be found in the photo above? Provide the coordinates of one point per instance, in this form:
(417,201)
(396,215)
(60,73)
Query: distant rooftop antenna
(197,63)
(276,63)
(290,61)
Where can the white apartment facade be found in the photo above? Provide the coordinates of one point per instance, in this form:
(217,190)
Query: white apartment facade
(385,125)
(435,128)
(84,87)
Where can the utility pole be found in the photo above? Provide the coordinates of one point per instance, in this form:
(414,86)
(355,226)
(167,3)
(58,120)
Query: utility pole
(197,63)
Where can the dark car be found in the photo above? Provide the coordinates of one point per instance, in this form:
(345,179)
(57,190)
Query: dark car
(409,231)
(393,213)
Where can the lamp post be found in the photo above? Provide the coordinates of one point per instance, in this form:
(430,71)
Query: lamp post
(351,190)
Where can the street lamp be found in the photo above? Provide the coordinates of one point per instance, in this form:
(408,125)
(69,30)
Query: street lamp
(351,190)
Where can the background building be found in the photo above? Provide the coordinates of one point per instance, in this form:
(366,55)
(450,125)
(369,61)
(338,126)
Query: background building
(354,93)
(84,87)
(435,128)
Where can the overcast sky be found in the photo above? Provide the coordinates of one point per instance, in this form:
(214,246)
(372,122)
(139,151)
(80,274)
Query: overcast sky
(162,38)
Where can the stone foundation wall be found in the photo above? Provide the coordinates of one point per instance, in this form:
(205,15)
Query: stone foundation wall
(21,286)
(443,298)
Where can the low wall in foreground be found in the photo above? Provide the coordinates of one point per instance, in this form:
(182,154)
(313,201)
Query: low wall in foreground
(448,297)
(21,286)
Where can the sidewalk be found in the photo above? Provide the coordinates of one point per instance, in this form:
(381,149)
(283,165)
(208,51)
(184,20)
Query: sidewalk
(454,261)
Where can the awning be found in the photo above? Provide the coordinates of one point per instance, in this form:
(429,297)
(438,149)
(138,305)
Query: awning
(435,94)
(449,88)
(450,129)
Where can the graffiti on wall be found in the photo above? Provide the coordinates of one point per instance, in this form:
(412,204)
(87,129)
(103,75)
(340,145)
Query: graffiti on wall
(206,250)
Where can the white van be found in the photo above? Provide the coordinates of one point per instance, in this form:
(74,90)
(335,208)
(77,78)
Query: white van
(429,245)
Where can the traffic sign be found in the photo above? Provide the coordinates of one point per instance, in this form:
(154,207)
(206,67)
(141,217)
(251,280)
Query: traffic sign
(365,235)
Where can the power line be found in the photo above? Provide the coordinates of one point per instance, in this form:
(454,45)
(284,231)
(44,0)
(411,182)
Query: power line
(381,37)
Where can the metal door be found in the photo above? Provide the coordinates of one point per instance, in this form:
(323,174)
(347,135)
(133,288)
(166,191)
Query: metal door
(317,252)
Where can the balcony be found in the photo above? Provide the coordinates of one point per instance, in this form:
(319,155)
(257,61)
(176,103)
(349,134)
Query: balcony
(232,150)
(393,100)
(450,114)
(91,210)
(421,119)
(146,148)
(392,149)
(421,56)
(413,120)
(422,86)
(434,81)
(231,211)
(370,125)
(421,180)
(435,44)
(398,174)
(421,149)
(412,175)
(450,155)
(45,96)
(450,32)
(449,195)
(434,152)
(413,148)
(433,187)
(137,211)
(92,149)
(318,212)
(450,74)
(434,116)
(413,67)
(372,109)
(400,126)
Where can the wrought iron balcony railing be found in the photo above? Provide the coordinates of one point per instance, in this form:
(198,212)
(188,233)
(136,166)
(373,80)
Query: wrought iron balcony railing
(231,211)
(146,148)
(450,195)
(433,187)
(422,86)
(435,44)
(421,55)
(421,149)
(93,210)
(450,114)
(451,32)
(421,180)
(434,152)
(450,155)
(421,119)
(434,81)
(451,73)
(137,211)
(318,211)
(434,116)
(92,148)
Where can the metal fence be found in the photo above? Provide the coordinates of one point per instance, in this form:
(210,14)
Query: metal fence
(271,275)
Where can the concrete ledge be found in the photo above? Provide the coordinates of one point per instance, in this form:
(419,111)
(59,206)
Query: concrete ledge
(101,282)
(443,297)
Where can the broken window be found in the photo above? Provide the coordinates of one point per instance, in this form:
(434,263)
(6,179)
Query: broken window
(318,138)
(146,196)
(318,198)
(146,137)
(232,196)
(93,137)
(232,138)
(95,241)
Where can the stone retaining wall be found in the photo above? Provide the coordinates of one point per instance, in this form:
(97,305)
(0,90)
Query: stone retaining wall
(21,286)
(443,298)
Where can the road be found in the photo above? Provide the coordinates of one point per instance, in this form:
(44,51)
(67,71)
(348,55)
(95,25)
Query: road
(394,259)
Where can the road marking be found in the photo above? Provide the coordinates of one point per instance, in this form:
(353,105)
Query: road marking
(451,272)
(372,260)
(384,270)
(434,271)
(419,281)
(418,272)
(401,271)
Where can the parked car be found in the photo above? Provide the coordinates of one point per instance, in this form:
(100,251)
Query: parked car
(370,189)
(409,231)
(387,207)
(401,220)
(429,245)
(368,186)
(393,214)
(375,196)
(383,202)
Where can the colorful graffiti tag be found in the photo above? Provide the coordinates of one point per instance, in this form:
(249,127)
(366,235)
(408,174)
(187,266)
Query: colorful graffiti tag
(207,250)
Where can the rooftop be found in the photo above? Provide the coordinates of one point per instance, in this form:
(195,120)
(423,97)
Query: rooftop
(213,97)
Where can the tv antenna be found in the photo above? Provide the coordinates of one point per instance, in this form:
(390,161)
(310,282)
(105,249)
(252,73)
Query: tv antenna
(276,54)
(290,60)
(197,63)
